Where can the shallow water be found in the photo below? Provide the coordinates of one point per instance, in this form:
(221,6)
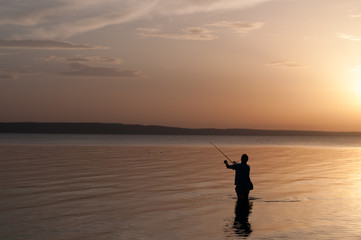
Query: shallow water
(167,191)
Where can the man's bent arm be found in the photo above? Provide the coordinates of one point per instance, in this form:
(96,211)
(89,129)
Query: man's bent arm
(227,165)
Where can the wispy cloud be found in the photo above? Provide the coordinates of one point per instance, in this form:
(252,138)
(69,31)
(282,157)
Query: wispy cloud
(349,37)
(64,18)
(240,27)
(188,33)
(82,70)
(181,7)
(355,16)
(45,44)
(94,66)
(86,59)
(7,76)
(8,53)
(356,69)
(36,12)
(285,64)
(67,29)
(10,74)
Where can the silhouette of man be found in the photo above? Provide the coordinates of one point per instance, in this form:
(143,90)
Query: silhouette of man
(242,180)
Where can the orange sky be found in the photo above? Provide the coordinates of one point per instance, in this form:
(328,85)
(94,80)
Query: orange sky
(264,64)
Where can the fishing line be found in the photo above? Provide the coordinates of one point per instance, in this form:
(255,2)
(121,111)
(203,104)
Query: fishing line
(222,152)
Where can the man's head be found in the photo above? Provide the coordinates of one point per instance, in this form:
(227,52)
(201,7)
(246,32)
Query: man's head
(244,158)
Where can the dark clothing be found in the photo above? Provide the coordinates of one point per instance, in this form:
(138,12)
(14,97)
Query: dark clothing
(242,175)
(242,180)
(242,194)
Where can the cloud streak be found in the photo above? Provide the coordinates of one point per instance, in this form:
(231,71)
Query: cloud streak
(285,64)
(239,27)
(94,66)
(189,33)
(45,44)
(183,7)
(7,76)
(85,59)
(65,18)
(349,37)
(199,33)
(11,74)
(356,69)
(7,54)
(82,70)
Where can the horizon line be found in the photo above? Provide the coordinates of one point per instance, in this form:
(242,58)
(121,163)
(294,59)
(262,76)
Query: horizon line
(219,130)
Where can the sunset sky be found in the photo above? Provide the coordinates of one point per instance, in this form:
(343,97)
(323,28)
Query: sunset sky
(262,64)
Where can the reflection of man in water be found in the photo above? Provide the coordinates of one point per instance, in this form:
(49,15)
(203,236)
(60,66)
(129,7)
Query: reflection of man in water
(241,225)
(242,181)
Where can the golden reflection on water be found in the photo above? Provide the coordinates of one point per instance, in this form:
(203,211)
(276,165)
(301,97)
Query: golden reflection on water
(312,189)
(184,192)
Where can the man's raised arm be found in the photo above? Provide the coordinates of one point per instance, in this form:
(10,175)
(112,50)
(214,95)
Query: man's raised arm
(227,165)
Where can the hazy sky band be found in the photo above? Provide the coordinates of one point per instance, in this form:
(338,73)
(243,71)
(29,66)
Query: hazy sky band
(245,64)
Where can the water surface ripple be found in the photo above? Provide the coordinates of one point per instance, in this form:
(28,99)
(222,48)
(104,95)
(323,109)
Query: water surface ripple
(51,191)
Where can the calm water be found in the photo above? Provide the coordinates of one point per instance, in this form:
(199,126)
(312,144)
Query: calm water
(176,187)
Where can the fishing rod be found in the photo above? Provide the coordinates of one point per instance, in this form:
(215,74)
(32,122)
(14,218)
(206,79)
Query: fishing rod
(222,153)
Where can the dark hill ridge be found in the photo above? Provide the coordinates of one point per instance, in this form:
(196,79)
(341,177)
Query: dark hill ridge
(117,128)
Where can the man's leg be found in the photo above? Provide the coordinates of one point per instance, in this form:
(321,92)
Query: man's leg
(242,194)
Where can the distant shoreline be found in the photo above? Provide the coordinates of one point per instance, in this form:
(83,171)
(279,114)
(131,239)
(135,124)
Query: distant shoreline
(135,129)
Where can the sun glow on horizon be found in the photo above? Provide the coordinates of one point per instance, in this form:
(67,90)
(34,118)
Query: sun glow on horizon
(261,64)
